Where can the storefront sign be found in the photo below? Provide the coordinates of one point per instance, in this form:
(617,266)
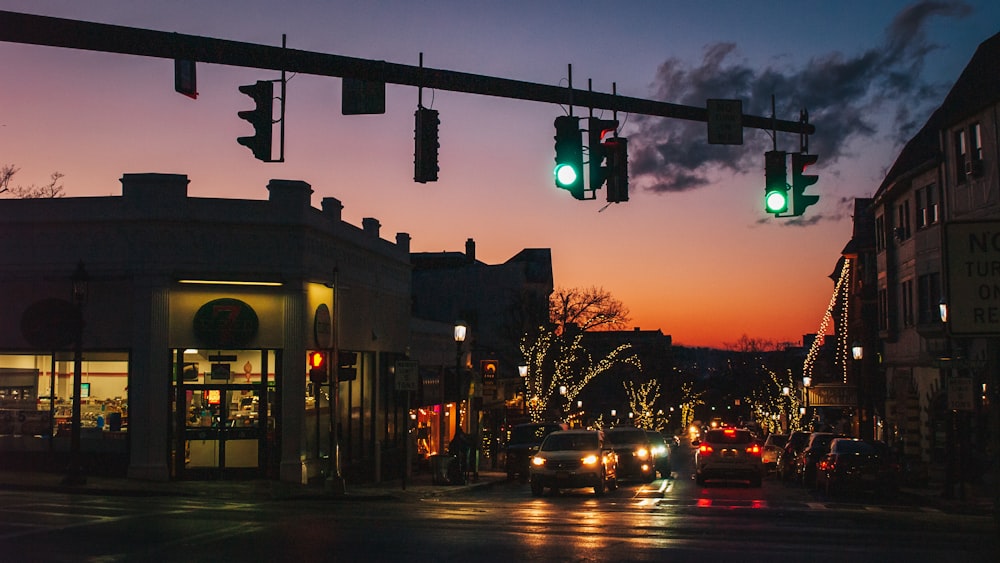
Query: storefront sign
(833,396)
(225,323)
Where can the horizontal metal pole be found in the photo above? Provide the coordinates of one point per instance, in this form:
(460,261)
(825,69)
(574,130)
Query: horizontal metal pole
(31,29)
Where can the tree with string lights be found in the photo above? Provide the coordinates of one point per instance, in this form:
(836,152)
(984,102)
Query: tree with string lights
(558,365)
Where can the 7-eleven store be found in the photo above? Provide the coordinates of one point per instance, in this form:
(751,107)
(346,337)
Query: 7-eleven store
(198,316)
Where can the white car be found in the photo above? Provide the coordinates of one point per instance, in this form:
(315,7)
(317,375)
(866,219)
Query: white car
(728,454)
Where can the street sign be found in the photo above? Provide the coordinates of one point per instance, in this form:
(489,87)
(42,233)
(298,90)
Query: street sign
(973,277)
(725,122)
(960,394)
(407,372)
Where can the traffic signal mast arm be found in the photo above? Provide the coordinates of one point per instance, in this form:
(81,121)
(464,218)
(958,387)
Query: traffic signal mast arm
(32,29)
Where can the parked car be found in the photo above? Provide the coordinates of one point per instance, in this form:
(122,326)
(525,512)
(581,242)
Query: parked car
(661,452)
(635,453)
(773,446)
(728,453)
(857,465)
(574,459)
(523,443)
(819,446)
(797,441)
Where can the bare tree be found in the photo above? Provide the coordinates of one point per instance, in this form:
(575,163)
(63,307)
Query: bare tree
(53,189)
(587,309)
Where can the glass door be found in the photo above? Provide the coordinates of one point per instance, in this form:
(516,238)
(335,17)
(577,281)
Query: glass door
(222,421)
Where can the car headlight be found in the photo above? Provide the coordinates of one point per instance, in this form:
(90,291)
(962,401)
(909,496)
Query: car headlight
(538,460)
(642,453)
(590,460)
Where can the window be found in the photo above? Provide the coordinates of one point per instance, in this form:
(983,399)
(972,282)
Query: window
(879,233)
(960,151)
(976,139)
(928,297)
(927,206)
(902,230)
(883,309)
(906,302)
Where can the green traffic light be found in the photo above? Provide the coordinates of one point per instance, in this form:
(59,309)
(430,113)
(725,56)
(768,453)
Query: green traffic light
(566,175)
(776,201)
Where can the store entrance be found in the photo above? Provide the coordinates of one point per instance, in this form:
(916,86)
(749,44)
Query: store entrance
(224,423)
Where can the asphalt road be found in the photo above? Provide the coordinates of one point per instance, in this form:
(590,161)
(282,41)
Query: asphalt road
(667,520)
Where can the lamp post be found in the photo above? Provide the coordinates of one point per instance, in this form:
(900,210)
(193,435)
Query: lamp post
(806,384)
(75,474)
(954,470)
(522,370)
(858,353)
(460,330)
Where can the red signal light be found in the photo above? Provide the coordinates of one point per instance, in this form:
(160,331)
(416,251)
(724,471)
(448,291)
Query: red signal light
(316,360)
(317,367)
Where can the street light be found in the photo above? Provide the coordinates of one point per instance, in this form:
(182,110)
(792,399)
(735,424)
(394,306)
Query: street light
(857,350)
(806,384)
(460,330)
(522,370)
(75,474)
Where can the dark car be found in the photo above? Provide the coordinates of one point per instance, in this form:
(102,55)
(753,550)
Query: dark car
(857,465)
(797,441)
(819,446)
(635,453)
(523,443)
(572,459)
(660,449)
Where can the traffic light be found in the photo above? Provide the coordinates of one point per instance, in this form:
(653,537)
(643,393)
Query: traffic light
(616,149)
(425,154)
(260,117)
(596,130)
(775,182)
(569,155)
(347,366)
(317,367)
(801,181)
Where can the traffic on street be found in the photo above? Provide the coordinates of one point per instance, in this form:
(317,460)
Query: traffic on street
(671,517)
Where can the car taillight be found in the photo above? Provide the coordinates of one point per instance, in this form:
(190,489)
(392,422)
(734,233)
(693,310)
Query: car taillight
(704,449)
(754,449)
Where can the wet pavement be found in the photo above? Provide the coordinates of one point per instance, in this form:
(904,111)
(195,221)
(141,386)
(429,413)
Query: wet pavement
(420,485)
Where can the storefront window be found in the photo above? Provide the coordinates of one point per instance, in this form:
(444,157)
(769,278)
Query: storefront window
(36,396)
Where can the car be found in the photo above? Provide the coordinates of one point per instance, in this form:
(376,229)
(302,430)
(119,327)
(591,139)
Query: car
(728,453)
(808,458)
(523,443)
(857,465)
(574,459)
(773,446)
(660,451)
(797,441)
(635,453)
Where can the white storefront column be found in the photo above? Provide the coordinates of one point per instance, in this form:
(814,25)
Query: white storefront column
(292,384)
(149,417)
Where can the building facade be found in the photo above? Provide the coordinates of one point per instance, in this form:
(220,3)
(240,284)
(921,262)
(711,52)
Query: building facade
(936,218)
(190,338)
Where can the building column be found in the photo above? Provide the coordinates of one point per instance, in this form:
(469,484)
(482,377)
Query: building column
(149,418)
(293,387)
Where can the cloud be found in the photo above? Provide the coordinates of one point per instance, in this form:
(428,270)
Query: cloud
(878,92)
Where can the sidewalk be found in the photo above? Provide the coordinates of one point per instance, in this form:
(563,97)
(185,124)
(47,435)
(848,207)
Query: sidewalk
(418,486)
